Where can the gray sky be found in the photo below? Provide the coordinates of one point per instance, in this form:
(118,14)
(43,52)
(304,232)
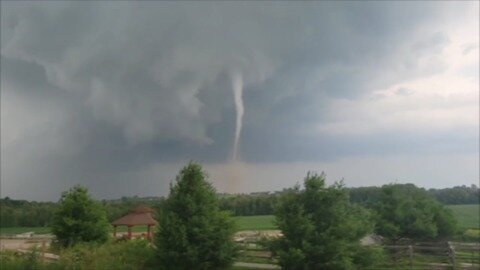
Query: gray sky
(118,96)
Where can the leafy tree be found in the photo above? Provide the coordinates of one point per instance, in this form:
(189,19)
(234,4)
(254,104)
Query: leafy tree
(192,232)
(405,211)
(321,229)
(365,196)
(79,218)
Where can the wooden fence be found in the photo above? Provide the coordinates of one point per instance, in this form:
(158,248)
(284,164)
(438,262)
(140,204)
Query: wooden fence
(425,256)
(439,255)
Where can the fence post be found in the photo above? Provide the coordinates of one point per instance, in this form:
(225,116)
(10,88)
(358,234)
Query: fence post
(43,250)
(410,255)
(451,251)
(472,255)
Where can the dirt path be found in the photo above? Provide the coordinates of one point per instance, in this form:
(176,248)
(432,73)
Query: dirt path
(22,243)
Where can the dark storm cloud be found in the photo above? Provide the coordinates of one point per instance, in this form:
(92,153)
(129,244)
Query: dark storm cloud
(92,90)
(285,147)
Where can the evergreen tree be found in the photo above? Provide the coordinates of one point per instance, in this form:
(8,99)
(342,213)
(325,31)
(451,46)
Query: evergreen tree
(321,229)
(79,218)
(192,232)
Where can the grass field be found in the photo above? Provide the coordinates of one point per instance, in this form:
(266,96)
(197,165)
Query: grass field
(46,230)
(243,223)
(467,215)
(255,223)
(17,230)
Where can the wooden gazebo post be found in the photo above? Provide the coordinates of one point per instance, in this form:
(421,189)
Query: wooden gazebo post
(130,232)
(114,231)
(152,227)
(148,233)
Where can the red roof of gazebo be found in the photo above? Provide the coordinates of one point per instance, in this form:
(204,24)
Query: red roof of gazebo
(141,215)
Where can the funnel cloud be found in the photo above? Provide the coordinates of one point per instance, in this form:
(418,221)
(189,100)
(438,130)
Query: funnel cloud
(237,85)
(117,96)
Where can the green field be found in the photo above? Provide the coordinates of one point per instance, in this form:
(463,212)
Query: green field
(467,215)
(243,223)
(255,223)
(46,230)
(17,230)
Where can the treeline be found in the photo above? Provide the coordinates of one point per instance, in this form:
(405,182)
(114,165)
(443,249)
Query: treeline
(21,213)
(457,195)
(250,204)
(264,203)
(118,208)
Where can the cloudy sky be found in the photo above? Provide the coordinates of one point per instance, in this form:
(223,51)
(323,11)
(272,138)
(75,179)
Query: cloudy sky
(118,96)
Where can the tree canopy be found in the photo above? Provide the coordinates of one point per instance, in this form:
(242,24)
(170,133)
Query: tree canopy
(21,213)
(192,232)
(405,211)
(321,229)
(79,218)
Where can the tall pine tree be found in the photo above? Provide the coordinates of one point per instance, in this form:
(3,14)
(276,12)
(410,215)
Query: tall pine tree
(79,218)
(192,232)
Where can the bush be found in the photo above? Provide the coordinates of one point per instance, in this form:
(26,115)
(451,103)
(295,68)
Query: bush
(124,255)
(472,235)
(13,260)
(368,255)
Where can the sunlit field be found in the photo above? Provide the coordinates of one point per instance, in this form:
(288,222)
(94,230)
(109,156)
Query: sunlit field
(467,215)
(243,223)
(255,223)
(18,230)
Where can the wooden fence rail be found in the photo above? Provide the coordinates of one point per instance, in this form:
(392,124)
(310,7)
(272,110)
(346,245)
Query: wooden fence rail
(446,255)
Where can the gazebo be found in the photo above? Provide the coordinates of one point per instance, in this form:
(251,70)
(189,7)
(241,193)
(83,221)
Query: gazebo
(142,215)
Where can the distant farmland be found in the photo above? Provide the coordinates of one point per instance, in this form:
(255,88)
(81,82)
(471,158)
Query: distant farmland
(257,223)
(468,217)
(243,224)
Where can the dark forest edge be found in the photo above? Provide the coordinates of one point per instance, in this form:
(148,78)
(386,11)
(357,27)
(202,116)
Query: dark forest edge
(22,213)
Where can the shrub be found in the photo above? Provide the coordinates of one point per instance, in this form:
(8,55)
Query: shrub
(368,255)
(124,255)
(13,260)
(472,235)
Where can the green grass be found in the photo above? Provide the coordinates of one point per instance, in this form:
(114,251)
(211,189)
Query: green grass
(255,223)
(467,215)
(243,223)
(46,230)
(17,230)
